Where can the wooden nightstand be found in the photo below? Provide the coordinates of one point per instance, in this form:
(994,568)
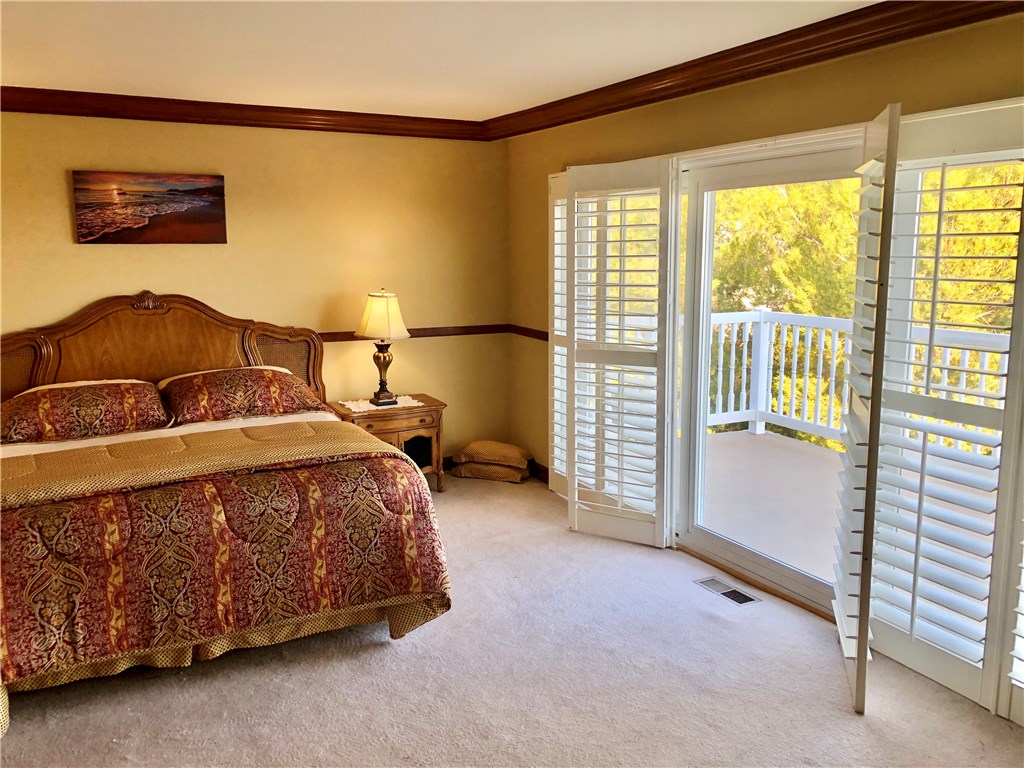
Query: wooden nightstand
(414,429)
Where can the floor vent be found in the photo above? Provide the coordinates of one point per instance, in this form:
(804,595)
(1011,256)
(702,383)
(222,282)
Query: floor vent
(727,591)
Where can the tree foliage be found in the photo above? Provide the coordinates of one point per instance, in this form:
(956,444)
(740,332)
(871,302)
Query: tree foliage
(789,248)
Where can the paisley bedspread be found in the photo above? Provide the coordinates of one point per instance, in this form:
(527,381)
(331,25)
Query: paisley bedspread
(224,557)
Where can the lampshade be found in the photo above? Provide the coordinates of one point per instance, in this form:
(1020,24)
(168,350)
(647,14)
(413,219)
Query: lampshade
(382,318)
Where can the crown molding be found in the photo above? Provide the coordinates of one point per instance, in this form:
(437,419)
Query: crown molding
(861,30)
(43,101)
(854,32)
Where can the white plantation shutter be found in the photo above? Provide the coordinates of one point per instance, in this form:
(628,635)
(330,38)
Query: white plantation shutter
(1016,597)
(941,443)
(558,338)
(1017,650)
(615,359)
(861,423)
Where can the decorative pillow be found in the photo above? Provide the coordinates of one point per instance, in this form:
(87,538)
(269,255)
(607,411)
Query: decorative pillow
(163,383)
(492,452)
(76,410)
(232,393)
(490,472)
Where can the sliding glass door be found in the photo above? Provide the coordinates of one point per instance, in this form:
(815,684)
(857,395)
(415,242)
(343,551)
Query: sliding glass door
(771,281)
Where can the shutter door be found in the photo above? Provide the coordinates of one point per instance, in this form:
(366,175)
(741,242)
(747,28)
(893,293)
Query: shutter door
(862,421)
(955,253)
(615,364)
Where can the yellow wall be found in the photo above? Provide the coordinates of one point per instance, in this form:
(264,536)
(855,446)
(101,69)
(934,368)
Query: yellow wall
(315,221)
(984,62)
(458,229)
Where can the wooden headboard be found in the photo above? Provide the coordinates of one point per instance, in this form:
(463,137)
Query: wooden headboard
(151,337)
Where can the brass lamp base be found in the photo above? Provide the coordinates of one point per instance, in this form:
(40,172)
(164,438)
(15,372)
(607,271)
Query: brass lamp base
(382,359)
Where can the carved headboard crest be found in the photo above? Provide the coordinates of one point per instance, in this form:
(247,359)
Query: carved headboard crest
(148,300)
(151,337)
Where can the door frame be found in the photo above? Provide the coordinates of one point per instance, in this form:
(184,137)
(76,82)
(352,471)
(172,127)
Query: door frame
(810,157)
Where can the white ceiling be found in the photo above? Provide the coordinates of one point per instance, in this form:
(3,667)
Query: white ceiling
(467,60)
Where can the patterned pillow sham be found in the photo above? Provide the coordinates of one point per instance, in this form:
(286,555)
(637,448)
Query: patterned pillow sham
(232,393)
(161,385)
(77,410)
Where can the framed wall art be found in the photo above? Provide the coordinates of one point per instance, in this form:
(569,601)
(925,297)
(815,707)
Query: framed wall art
(116,207)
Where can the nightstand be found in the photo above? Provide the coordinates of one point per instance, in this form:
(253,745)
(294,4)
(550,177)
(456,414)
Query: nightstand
(413,429)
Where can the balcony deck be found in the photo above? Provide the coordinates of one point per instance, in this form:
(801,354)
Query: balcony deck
(776,495)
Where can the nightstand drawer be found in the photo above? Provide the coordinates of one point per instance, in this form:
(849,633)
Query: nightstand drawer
(393,424)
(413,429)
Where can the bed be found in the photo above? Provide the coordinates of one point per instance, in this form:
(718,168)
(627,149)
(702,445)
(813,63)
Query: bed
(255,518)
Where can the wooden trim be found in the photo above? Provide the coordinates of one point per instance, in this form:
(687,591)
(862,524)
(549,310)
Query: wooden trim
(457,330)
(861,30)
(759,584)
(44,101)
(530,333)
(447,330)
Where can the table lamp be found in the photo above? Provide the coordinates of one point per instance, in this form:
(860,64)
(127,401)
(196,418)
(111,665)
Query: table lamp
(382,320)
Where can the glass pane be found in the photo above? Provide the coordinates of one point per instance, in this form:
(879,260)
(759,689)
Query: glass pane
(782,286)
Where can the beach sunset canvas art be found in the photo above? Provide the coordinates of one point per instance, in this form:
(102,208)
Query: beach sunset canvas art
(115,207)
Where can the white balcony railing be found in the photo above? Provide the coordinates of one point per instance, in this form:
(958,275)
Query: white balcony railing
(786,369)
(778,368)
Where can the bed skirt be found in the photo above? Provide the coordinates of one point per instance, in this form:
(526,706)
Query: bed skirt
(403,613)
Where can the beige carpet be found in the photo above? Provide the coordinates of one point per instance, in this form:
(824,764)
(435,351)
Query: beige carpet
(561,649)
